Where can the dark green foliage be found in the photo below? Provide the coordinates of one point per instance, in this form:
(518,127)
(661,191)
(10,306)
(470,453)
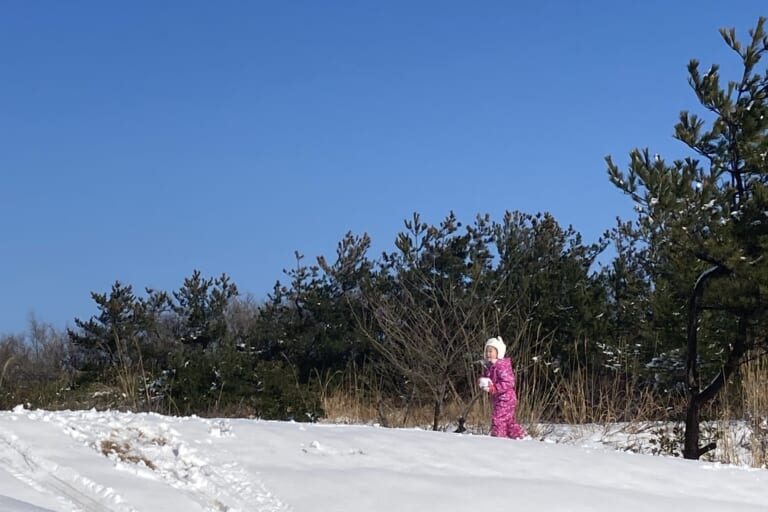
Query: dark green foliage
(545,271)
(279,395)
(109,339)
(312,324)
(201,307)
(630,324)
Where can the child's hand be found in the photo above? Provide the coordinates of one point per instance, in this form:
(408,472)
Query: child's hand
(491,388)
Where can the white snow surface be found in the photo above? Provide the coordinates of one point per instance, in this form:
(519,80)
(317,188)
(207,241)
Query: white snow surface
(55,461)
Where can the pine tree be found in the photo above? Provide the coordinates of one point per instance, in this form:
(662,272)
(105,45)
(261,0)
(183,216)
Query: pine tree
(108,340)
(705,220)
(201,305)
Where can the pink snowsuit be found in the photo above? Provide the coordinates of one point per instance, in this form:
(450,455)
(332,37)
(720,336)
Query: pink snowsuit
(503,400)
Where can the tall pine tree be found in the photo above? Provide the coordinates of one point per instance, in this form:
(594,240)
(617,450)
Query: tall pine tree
(705,219)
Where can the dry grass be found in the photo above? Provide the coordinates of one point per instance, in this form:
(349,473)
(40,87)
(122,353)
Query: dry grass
(125,452)
(755,401)
(343,406)
(122,450)
(5,369)
(584,398)
(347,397)
(580,396)
(746,401)
(544,395)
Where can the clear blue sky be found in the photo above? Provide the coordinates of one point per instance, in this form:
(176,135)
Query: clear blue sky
(142,140)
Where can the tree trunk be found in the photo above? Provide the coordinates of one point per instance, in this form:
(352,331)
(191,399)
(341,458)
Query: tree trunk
(691,448)
(438,412)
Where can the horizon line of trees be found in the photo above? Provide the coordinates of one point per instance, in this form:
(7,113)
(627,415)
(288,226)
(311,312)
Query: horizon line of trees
(416,317)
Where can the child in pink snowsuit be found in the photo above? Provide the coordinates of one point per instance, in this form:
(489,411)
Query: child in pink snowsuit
(499,380)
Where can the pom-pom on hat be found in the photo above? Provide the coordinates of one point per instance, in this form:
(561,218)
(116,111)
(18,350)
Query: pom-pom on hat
(498,344)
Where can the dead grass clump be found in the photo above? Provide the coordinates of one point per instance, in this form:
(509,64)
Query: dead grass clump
(755,399)
(112,448)
(123,451)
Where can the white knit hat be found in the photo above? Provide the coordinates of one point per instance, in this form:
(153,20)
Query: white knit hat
(498,344)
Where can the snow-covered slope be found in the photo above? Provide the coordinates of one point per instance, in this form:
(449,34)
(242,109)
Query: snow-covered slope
(55,461)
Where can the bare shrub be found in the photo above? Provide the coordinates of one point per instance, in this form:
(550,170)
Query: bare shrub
(33,366)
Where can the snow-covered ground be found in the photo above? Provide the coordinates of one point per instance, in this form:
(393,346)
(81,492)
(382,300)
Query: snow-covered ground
(110,461)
